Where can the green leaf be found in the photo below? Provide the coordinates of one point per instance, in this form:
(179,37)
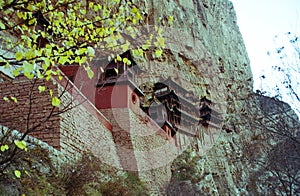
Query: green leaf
(125,60)
(77,59)
(2,26)
(90,26)
(6,99)
(82,60)
(40,76)
(48,77)
(62,60)
(31,7)
(50,7)
(48,72)
(134,10)
(17,173)
(138,52)
(55,101)
(116,70)
(82,11)
(32,21)
(19,56)
(90,73)
(146,46)
(90,51)
(119,58)
(91,5)
(14,99)
(51,93)
(28,67)
(6,65)
(96,8)
(16,72)
(29,75)
(158,53)
(159,30)
(47,63)
(80,51)
(170,19)
(4,148)
(21,144)
(30,54)
(41,89)
(160,42)
(125,46)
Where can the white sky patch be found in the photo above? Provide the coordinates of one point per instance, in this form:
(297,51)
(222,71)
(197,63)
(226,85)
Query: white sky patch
(260,21)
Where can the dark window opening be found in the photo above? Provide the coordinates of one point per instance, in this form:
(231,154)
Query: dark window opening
(133,98)
(111,73)
(71,78)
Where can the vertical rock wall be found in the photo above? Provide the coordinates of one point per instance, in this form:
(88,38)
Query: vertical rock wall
(205,54)
(204,33)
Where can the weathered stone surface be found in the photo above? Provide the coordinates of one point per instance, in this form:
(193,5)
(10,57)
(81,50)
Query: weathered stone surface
(205,32)
(205,53)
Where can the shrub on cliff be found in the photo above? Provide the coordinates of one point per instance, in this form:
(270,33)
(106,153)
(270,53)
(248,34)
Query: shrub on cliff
(89,176)
(29,172)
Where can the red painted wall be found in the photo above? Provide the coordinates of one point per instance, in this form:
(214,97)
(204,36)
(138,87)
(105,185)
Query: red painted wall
(112,97)
(81,80)
(103,97)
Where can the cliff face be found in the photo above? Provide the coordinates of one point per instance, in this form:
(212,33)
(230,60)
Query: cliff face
(204,49)
(205,53)
(208,30)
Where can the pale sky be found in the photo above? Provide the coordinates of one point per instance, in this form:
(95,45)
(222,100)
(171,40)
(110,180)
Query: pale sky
(260,21)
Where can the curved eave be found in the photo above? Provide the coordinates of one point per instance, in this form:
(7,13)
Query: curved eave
(209,123)
(181,99)
(211,117)
(186,114)
(210,108)
(186,131)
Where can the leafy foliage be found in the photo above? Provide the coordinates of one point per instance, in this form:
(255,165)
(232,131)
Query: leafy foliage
(10,149)
(29,173)
(187,166)
(21,144)
(55,101)
(39,36)
(11,98)
(17,173)
(90,176)
(4,148)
